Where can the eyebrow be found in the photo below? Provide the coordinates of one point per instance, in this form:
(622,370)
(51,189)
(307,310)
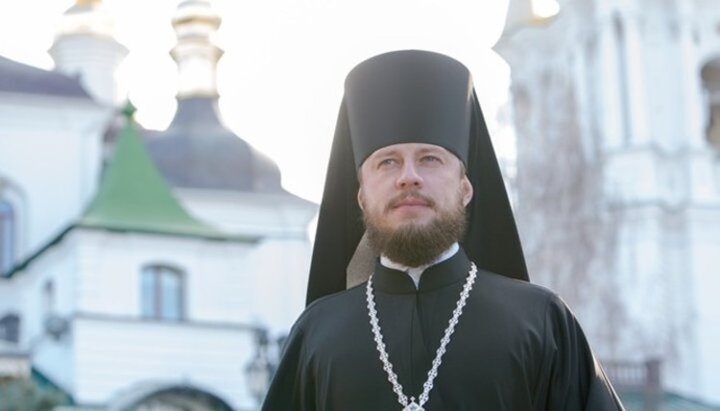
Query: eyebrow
(385,153)
(439,150)
(423,150)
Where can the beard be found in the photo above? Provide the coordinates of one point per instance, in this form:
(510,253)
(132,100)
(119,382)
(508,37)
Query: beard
(414,245)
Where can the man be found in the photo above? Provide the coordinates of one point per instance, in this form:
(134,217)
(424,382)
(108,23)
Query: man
(448,319)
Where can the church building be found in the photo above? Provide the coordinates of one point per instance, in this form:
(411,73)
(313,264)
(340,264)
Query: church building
(617,114)
(140,268)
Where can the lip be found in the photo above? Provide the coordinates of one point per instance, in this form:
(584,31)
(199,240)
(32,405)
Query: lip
(411,202)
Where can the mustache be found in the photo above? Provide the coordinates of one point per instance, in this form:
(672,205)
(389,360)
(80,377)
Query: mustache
(412,194)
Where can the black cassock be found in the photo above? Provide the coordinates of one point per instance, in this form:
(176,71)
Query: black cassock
(516,347)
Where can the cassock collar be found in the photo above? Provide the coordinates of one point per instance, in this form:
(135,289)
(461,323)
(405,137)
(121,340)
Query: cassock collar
(416,272)
(442,274)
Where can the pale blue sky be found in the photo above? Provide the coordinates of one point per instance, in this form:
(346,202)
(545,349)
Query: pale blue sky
(281,77)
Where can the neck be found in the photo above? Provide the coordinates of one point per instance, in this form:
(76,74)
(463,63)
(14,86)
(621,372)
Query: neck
(416,272)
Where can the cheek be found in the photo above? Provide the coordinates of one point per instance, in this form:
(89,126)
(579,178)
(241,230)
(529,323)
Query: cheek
(373,204)
(373,189)
(367,199)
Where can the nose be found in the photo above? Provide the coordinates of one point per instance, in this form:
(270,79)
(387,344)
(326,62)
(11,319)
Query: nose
(409,176)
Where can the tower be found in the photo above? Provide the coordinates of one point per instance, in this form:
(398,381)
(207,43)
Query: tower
(221,179)
(195,23)
(85,47)
(611,102)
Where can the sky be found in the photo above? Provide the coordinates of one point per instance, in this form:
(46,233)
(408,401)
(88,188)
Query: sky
(281,77)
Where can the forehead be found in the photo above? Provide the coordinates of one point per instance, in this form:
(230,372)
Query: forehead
(409,149)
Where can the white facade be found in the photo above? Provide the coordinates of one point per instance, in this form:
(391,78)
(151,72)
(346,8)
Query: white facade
(99,346)
(109,346)
(231,288)
(33,179)
(624,78)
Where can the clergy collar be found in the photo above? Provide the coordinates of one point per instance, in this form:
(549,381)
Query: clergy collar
(416,272)
(438,275)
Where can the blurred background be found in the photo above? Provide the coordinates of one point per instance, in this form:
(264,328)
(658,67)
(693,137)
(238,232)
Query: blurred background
(161,165)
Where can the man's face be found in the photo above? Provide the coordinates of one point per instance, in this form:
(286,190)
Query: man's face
(413,192)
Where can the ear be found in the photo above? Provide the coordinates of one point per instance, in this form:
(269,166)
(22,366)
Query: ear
(467,190)
(360,199)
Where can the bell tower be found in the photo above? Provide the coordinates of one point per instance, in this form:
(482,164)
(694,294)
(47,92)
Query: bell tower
(196,55)
(85,47)
(615,109)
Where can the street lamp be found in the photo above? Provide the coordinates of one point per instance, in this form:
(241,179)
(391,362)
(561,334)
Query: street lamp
(259,370)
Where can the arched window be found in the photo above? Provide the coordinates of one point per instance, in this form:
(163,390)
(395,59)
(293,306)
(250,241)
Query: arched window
(162,293)
(623,76)
(7,235)
(711,83)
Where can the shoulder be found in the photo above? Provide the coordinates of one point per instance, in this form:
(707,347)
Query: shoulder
(511,287)
(333,301)
(516,297)
(333,308)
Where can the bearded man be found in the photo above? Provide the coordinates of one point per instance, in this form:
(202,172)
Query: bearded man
(444,317)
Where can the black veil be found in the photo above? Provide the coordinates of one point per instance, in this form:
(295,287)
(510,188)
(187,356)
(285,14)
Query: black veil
(423,97)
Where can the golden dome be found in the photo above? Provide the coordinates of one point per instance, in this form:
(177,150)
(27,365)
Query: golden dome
(85,3)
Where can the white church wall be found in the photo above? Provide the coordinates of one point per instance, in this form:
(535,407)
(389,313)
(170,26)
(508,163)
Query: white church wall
(250,213)
(230,288)
(668,124)
(653,262)
(638,265)
(278,265)
(279,287)
(37,300)
(51,151)
(705,178)
(113,355)
(632,175)
(115,348)
(220,288)
(704,277)
(110,265)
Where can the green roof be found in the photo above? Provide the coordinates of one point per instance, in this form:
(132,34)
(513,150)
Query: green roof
(133,196)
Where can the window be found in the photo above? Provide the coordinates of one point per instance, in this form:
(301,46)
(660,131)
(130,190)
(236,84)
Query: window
(162,293)
(48,297)
(7,236)
(711,84)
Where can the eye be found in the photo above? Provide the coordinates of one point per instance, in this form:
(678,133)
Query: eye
(386,162)
(430,158)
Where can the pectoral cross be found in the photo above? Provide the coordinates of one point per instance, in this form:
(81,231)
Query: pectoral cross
(413,406)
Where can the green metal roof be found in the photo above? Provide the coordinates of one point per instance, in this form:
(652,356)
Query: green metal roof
(48,385)
(133,196)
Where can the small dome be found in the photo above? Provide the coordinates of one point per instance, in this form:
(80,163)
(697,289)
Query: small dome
(86,17)
(197,151)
